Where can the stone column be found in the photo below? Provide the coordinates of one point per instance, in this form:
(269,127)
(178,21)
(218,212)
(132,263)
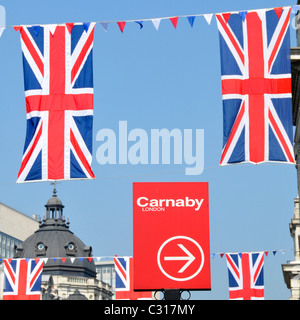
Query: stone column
(291,270)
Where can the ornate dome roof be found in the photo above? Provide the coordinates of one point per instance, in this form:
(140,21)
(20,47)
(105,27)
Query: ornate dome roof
(53,239)
(54,201)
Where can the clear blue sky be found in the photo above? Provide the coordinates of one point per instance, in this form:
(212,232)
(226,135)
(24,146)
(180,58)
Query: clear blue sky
(151,79)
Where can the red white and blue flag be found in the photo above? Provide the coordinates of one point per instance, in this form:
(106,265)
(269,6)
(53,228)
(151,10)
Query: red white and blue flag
(246,277)
(58,80)
(22,279)
(256,86)
(124,281)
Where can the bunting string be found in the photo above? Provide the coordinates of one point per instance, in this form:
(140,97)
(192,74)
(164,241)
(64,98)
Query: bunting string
(109,258)
(156,21)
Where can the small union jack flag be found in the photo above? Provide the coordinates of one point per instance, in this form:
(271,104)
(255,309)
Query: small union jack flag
(124,281)
(22,279)
(58,80)
(256,86)
(246,278)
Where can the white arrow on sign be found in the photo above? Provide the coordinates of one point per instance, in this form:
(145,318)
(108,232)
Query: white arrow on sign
(190,258)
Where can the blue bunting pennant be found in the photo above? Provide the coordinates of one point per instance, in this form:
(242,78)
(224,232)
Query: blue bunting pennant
(86,26)
(36,29)
(140,23)
(243,15)
(191,20)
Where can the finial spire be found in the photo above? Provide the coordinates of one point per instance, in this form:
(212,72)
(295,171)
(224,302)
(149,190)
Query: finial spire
(54,189)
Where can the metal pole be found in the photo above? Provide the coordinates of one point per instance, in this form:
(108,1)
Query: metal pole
(172,294)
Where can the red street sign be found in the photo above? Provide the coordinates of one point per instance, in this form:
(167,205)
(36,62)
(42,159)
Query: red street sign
(171,236)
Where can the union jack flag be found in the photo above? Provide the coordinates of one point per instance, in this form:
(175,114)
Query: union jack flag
(256,86)
(58,81)
(246,278)
(22,279)
(124,281)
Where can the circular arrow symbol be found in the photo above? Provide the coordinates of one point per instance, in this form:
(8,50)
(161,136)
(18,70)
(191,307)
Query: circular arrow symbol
(190,258)
(194,261)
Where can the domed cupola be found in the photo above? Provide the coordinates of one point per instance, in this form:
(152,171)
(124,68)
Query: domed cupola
(54,240)
(54,210)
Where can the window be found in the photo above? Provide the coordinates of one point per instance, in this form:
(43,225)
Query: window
(7,245)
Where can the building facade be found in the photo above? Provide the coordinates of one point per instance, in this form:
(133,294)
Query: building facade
(106,272)
(15,227)
(69,272)
(291,270)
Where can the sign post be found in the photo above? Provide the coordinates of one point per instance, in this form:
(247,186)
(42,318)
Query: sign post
(171,236)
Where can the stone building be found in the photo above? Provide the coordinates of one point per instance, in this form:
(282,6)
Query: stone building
(67,271)
(291,270)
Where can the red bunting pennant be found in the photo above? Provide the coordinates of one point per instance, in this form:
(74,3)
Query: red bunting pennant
(278,11)
(17,28)
(121,25)
(63,260)
(226,16)
(90,259)
(174,21)
(69,26)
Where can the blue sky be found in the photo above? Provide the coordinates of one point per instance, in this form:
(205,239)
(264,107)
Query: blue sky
(151,79)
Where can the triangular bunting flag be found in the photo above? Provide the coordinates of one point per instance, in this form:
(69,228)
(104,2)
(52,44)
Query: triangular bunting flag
(69,26)
(156,23)
(274,252)
(86,26)
(54,259)
(212,255)
(278,11)
(140,23)
(266,253)
(18,28)
(208,17)
(52,28)
(174,21)
(36,29)
(104,25)
(295,8)
(261,13)
(98,258)
(36,260)
(27,260)
(63,260)
(191,20)
(221,255)
(90,259)
(226,16)
(243,15)
(72,259)
(121,25)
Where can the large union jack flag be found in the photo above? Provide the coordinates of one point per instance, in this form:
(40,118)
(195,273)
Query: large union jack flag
(246,278)
(124,281)
(256,86)
(58,80)
(22,279)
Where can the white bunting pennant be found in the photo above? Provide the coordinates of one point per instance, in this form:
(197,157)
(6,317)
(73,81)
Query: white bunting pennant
(156,23)
(208,17)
